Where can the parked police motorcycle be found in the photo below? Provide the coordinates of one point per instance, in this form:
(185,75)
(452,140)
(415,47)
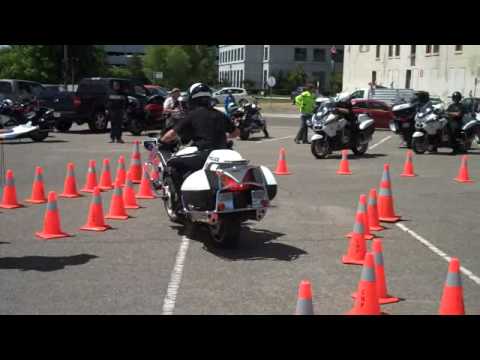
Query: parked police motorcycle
(431,130)
(250,120)
(403,123)
(226,192)
(333,134)
(34,124)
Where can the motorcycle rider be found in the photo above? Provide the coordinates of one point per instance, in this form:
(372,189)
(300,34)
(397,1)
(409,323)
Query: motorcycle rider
(345,107)
(205,126)
(116,105)
(455,113)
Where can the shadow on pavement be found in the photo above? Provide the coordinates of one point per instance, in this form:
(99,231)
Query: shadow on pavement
(44,263)
(85,131)
(28,141)
(254,244)
(354,157)
(4,242)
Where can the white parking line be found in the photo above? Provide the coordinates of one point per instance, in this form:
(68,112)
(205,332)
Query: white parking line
(175,278)
(439,252)
(380,142)
(270,140)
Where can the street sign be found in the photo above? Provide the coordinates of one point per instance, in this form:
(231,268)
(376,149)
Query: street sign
(159,75)
(271,81)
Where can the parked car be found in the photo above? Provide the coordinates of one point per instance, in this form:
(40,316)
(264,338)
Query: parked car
(20,90)
(156,90)
(90,99)
(379,111)
(471,104)
(241,96)
(62,102)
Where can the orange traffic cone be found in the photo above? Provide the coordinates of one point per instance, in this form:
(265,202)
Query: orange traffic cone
(408,167)
(136,164)
(129,195)
(91,181)
(386,212)
(121,172)
(463,175)
(304,302)
(9,199)
(106,177)
(282,168)
(382,291)
(51,224)
(96,219)
(452,297)
(366,303)
(117,207)
(70,186)
(362,207)
(357,247)
(372,211)
(145,191)
(38,190)
(344,168)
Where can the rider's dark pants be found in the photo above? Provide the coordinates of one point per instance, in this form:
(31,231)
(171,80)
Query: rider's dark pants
(453,131)
(185,165)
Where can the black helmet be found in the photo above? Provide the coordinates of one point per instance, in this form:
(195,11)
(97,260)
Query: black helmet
(456,97)
(422,96)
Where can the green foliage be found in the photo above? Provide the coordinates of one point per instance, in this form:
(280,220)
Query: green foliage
(44,63)
(181,65)
(296,77)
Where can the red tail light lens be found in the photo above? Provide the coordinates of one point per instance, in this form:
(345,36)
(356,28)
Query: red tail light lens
(232,185)
(76,102)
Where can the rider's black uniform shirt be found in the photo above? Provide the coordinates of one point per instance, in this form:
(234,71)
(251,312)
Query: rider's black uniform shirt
(206,127)
(457,108)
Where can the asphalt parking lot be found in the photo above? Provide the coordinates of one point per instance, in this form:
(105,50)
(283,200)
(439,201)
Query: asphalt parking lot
(147,265)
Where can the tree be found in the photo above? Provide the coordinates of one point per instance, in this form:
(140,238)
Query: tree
(297,77)
(135,69)
(44,63)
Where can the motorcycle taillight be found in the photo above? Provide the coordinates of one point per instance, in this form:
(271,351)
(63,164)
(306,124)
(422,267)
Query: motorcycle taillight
(232,185)
(77,102)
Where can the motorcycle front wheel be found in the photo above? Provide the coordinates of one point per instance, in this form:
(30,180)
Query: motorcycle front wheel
(244,134)
(39,136)
(136,127)
(170,201)
(320,149)
(419,145)
(225,233)
(360,149)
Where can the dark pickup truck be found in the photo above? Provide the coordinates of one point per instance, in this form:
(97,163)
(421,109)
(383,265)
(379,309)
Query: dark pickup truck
(87,105)
(62,102)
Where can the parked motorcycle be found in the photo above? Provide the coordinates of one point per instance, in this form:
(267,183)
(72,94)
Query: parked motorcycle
(431,130)
(226,192)
(251,121)
(16,122)
(403,123)
(142,116)
(333,134)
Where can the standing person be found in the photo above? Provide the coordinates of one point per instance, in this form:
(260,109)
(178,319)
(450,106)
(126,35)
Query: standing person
(116,106)
(230,99)
(455,113)
(171,103)
(305,103)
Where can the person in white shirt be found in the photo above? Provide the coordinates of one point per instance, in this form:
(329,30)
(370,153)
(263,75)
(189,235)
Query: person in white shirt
(171,103)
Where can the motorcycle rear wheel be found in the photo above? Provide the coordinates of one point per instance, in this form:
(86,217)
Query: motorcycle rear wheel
(225,234)
(244,134)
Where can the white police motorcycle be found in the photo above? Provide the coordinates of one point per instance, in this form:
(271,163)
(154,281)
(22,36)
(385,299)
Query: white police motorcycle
(332,133)
(226,192)
(431,130)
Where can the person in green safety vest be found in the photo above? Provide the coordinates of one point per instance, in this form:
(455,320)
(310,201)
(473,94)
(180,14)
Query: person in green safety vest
(306,104)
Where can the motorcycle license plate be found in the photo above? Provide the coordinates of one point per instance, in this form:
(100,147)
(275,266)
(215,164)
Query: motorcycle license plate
(257,197)
(56,114)
(227,199)
(405,125)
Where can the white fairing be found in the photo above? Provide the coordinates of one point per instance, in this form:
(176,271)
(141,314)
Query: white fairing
(331,129)
(222,156)
(469,125)
(196,182)
(401,107)
(187,151)
(366,124)
(268,176)
(317,137)
(417,134)
(477,116)
(17,131)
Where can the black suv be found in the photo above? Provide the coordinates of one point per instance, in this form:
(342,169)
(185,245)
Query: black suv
(91,97)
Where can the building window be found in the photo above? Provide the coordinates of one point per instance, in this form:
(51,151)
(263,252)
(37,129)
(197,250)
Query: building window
(238,54)
(397,50)
(390,51)
(241,77)
(458,48)
(428,49)
(319,55)
(265,75)
(364,48)
(319,78)
(374,77)
(377,52)
(265,53)
(436,49)
(242,54)
(300,54)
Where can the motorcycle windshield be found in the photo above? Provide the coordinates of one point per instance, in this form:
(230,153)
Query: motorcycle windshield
(424,111)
